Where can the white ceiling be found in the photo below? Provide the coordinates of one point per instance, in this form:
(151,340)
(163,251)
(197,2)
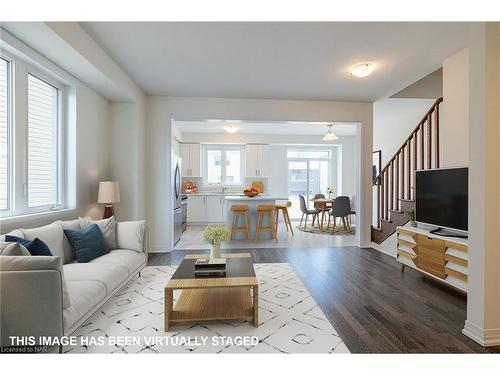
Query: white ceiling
(289,128)
(277,60)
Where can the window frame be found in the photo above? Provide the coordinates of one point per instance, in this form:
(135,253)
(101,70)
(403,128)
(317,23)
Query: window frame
(59,147)
(223,148)
(18,152)
(10,131)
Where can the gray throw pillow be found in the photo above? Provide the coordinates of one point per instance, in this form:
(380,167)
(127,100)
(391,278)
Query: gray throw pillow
(107,227)
(13,249)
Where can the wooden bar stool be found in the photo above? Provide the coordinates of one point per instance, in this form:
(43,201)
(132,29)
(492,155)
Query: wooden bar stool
(284,210)
(240,210)
(264,210)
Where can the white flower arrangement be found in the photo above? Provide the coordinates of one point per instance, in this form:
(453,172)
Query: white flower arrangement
(330,189)
(216,234)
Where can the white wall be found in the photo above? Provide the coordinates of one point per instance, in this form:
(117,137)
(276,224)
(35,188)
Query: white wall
(393,121)
(483,304)
(161,110)
(454,115)
(127,147)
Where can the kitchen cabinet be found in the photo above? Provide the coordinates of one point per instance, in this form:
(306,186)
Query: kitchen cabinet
(190,154)
(205,209)
(196,209)
(215,209)
(257,160)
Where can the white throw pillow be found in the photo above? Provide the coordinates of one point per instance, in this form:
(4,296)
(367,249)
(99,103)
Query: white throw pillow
(13,249)
(51,234)
(107,227)
(130,235)
(69,253)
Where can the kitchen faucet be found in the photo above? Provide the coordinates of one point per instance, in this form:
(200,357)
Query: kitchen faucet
(223,189)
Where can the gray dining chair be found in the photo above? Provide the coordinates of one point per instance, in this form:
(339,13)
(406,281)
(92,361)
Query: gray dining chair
(306,212)
(341,208)
(353,208)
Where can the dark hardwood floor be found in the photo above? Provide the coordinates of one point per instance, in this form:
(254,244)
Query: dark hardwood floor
(374,306)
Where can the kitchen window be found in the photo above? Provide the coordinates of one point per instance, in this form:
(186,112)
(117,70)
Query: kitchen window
(32,178)
(223,165)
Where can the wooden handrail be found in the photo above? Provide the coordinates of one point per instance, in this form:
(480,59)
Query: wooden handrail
(434,106)
(394,182)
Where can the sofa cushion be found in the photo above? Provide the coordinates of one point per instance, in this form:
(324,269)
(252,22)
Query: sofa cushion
(69,254)
(130,235)
(52,235)
(107,227)
(109,274)
(87,243)
(128,258)
(13,249)
(84,295)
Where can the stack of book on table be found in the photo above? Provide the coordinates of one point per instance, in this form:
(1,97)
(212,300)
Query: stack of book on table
(210,267)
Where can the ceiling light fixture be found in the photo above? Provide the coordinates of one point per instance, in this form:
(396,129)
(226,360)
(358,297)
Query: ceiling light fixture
(363,69)
(329,136)
(231,128)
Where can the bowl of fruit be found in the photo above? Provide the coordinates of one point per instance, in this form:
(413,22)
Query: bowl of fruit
(250,192)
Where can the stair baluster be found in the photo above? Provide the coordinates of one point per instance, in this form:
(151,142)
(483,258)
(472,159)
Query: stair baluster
(395,182)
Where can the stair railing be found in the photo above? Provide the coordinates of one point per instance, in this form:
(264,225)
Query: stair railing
(420,150)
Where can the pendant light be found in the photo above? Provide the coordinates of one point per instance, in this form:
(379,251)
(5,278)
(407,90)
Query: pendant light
(329,136)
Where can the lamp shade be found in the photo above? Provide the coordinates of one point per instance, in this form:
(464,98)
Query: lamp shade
(109,192)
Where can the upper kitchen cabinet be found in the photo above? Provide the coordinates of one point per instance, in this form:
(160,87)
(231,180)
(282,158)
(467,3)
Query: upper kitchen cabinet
(190,154)
(257,160)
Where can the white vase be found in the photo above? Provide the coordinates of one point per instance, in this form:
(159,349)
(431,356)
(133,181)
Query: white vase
(215,251)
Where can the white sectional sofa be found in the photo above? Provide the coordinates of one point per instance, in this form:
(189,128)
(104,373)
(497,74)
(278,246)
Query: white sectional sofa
(54,295)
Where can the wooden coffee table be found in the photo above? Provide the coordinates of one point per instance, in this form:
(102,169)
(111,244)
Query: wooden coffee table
(235,296)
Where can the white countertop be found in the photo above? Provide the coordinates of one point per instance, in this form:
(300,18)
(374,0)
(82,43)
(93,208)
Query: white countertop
(262,197)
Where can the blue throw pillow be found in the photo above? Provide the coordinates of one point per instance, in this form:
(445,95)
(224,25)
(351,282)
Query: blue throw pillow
(87,243)
(35,247)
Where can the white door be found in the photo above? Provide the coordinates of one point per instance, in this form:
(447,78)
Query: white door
(184,148)
(194,159)
(196,209)
(214,209)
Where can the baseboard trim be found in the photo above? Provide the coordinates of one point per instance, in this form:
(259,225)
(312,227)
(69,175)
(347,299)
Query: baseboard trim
(484,337)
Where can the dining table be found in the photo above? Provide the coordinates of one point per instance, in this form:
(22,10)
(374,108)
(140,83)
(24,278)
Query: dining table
(323,204)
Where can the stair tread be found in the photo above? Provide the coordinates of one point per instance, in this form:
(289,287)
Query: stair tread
(407,200)
(398,211)
(386,221)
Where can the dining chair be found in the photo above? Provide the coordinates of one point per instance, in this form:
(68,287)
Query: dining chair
(341,208)
(306,212)
(353,208)
(321,207)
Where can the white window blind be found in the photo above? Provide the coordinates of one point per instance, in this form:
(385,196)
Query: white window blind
(43,148)
(4,134)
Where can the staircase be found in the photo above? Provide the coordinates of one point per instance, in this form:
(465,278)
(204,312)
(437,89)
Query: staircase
(395,182)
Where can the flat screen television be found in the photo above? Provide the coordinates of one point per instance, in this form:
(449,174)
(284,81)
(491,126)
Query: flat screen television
(442,198)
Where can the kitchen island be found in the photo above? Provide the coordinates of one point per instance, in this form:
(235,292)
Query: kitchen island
(252,212)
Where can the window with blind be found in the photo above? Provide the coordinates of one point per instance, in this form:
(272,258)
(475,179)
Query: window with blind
(5,130)
(32,139)
(43,145)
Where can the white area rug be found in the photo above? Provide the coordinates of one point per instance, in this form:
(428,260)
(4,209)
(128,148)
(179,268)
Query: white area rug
(290,320)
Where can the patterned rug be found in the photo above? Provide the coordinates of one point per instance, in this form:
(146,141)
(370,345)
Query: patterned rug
(339,230)
(290,320)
